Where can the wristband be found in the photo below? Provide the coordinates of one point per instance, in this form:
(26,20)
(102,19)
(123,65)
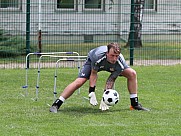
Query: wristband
(92,89)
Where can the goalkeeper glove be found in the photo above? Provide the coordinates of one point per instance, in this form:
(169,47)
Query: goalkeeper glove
(92,98)
(103,106)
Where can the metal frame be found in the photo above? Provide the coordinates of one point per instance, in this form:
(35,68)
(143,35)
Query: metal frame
(26,72)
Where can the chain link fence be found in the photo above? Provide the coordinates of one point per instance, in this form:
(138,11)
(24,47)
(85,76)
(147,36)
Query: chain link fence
(44,26)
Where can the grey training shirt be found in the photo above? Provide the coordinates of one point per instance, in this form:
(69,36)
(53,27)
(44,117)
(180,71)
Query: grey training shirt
(99,61)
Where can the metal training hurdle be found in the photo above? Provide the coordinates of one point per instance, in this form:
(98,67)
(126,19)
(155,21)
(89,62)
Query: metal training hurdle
(68,59)
(26,69)
(39,66)
(63,58)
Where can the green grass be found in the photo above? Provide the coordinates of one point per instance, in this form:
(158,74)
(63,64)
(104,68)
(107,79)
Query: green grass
(153,50)
(149,51)
(159,90)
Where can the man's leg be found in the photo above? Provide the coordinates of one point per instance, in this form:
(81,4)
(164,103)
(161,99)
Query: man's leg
(68,91)
(131,76)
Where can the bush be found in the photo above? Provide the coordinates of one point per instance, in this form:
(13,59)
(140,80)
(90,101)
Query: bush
(11,46)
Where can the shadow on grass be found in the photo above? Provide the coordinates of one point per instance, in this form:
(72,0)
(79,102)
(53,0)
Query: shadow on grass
(78,110)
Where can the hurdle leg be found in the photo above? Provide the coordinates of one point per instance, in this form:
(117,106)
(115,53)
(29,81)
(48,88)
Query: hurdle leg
(55,81)
(25,87)
(78,74)
(26,77)
(37,86)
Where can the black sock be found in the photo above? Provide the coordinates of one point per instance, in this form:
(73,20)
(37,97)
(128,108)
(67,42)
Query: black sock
(57,103)
(134,101)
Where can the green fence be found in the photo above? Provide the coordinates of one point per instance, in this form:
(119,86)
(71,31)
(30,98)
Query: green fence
(79,25)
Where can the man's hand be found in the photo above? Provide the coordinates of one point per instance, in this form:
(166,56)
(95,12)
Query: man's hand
(92,98)
(103,106)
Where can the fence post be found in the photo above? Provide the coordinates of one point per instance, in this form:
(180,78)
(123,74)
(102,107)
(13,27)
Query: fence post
(27,30)
(132,33)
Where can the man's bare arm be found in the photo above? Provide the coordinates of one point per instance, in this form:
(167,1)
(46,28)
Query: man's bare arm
(110,82)
(93,78)
(92,85)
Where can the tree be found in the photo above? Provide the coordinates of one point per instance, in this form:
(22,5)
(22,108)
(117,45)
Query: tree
(136,23)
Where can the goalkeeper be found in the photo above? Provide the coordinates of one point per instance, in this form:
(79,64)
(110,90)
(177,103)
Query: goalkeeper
(104,58)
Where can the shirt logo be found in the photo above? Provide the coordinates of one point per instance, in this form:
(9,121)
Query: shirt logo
(83,74)
(101,67)
(111,69)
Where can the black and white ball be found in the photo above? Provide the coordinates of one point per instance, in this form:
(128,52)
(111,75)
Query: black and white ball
(110,97)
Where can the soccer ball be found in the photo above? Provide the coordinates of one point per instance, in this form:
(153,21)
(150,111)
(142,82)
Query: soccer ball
(110,97)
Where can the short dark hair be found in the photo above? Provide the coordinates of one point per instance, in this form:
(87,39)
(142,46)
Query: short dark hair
(115,46)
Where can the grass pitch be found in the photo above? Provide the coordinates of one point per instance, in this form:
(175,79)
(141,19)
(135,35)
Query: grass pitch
(159,90)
